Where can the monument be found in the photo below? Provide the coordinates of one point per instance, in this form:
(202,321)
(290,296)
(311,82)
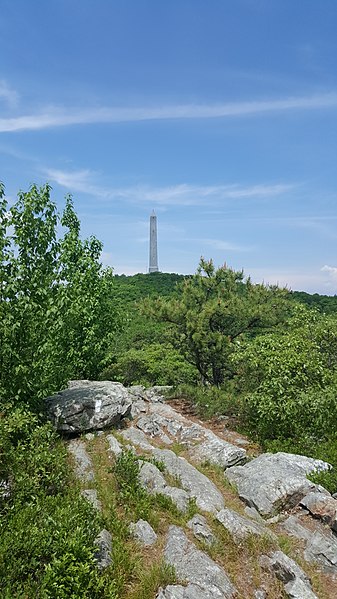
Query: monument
(153,262)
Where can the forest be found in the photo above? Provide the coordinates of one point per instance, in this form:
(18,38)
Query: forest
(261,356)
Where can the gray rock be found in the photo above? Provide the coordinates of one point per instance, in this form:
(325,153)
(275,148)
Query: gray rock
(251,512)
(114,446)
(89,436)
(206,580)
(322,506)
(196,484)
(151,425)
(273,482)
(297,589)
(143,533)
(217,451)
(208,498)
(91,496)
(285,568)
(240,528)
(104,545)
(5,490)
(260,594)
(138,407)
(297,583)
(201,530)
(88,405)
(137,438)
(320,548)
(154,482)
(83,464)
(201,443)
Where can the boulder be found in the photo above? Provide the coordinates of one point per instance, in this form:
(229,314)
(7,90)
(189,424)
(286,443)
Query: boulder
(89,405)
(154,482)
(297,589)
(205,579)
(91,496)
(321,547)
(83,465)
(114,446)
(103,543)
(240,528)
(201,530)
(322,506)
(143,533)
(274,482)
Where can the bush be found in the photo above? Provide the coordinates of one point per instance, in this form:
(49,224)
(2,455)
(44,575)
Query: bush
(155,364)
(47,529)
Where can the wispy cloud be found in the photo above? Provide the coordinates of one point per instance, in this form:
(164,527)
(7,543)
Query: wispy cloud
(61,117)
(331,271)
(183,194)
(219,244)
(8,95)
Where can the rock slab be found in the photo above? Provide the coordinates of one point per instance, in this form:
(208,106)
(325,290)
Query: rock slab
(143,532)
(206,580)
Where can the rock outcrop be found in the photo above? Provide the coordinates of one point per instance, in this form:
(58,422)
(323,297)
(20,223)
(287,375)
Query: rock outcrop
(274,482)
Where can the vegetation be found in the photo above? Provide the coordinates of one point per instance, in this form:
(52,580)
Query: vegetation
(262,357)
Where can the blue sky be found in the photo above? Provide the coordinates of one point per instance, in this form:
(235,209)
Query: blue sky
(220,115)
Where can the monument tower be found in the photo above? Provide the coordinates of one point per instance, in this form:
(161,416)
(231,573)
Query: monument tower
(153,262)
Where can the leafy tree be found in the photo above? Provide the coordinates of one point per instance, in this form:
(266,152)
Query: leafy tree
(56,303)
(216,308)
(290,378)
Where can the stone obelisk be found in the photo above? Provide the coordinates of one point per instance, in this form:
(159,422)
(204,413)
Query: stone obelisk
(153,262)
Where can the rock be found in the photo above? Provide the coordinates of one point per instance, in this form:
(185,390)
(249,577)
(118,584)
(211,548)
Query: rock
(285,568)
(143,532)
(207,497)
(150,425)
(177,591)
(91,496)
(137,438)
(201,443)
(104,545)
(201,530)
(157,393)
(89,436)
(251,512)
(297,583)
(206,580)
(320,548)
(153,481)
(274,482)
(5,490)
(323,507)
(260,594)
(83,464)
(196,484)
(114,446)
(217,451)
(297,589)
(240,528)
(88,405)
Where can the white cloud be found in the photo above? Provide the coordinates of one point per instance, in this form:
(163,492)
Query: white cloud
(9,95)
(219,244)
(182,194)
(60,117)
(331,270)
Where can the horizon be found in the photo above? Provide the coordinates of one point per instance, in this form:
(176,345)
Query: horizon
(220,118)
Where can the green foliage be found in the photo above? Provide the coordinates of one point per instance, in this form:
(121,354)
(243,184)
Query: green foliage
(47,529)
(210,401)
(56,303)
(289,379)
(215,309)
(155,364)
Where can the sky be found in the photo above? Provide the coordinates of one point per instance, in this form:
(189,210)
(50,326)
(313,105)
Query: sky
(220,115)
